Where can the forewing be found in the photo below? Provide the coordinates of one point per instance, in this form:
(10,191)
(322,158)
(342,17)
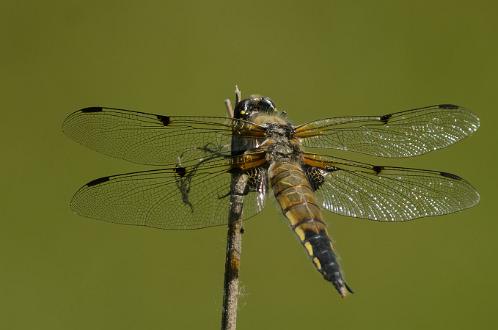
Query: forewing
(386,193)
(183,197)
(154,139)
(402,134)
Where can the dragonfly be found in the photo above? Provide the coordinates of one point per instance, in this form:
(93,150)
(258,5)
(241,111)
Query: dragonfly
(194,159)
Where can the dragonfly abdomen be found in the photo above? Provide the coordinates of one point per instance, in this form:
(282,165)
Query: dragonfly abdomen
(298,203)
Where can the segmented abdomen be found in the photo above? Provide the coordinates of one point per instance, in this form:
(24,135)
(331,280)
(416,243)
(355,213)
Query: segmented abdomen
(298,203)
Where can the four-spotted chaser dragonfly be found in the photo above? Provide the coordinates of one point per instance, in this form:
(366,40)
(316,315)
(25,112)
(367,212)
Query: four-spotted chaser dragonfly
(196,158)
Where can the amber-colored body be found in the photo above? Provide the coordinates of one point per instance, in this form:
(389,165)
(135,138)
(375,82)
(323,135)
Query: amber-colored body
(295,195)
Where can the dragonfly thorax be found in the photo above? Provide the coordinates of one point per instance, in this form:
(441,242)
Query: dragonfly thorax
(281,146)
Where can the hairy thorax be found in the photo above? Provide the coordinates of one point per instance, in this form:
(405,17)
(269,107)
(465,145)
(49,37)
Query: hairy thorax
(279,144)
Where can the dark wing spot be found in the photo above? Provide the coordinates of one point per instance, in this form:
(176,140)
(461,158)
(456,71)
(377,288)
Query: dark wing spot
(91,109)
(451,176)
(97,181)
(377,169)
(164,119)
(385,118)
(448,106)
(181,171)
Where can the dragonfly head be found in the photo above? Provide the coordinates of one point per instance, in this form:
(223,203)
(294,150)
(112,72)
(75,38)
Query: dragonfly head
(255,104)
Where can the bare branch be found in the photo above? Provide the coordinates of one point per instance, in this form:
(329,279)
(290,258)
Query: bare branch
(229,108)
(234,239)
(233,253)
(238,95)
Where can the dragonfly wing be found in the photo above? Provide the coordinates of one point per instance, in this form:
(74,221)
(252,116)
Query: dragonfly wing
(386,193)
(402,134)
(154,139)
(182,197)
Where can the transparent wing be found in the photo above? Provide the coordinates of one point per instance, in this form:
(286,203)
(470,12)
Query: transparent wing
(181,197)
(154,139)
(386,193)
(402,134)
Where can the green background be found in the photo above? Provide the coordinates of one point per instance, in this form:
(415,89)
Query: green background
(315,59)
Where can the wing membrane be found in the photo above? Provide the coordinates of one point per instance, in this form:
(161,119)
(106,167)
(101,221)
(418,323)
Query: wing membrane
(181,197)
(386,193)
(154,139)
(402,134)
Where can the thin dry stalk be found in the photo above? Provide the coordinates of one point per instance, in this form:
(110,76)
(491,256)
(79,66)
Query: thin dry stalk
(234,241)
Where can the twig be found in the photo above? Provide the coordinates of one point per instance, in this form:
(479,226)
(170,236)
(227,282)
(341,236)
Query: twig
(234,240)
(238,95)
(228,105)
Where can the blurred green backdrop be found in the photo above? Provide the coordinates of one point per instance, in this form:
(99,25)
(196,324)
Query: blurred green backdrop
(315,59)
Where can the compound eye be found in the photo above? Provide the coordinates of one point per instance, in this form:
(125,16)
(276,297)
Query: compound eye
(268,103)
